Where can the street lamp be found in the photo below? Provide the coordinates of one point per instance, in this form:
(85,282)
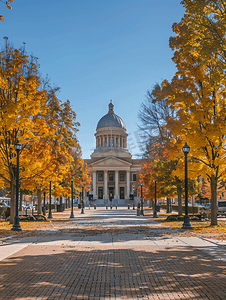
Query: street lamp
(82,210)
(186,224)
(50,212)
(44,204)
(142,210)
(16,225)
(155,210)
(72,214)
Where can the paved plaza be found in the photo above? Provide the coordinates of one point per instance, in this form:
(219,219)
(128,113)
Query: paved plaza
(111,254)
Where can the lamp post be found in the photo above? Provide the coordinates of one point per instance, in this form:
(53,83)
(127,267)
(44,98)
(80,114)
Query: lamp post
(186,224)
(72,213)
(155,210)
(141,204)
(16,225)
(82,210)
(44,204)
(50,212)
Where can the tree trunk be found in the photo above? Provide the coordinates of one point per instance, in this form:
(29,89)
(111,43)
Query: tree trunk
(21,199)
(213,200)
(12,202)
(179,200)
(168,205)
(39,196)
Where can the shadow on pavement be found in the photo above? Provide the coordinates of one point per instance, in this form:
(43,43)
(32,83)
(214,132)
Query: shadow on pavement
(88,272)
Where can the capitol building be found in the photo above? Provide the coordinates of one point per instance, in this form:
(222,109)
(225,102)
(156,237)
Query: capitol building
(112,169)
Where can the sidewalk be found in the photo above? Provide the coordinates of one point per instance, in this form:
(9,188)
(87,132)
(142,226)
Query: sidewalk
(108,254)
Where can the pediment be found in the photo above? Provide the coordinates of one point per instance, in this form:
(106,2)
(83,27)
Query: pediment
(111,161)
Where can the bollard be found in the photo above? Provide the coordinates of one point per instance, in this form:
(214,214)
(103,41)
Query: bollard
(116,206)
(128,206)
(106,206)
(94,206)
(111,206)
(133,206)
(138,211)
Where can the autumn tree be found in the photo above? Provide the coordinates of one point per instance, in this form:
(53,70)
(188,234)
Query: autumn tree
(199,89)
(45,126)
(20,102)
(59,145)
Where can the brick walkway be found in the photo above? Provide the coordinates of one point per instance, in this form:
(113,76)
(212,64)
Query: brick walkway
(111,272)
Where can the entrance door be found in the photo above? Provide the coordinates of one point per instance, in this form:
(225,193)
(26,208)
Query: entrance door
(100,192)
(111,193)
(122,196)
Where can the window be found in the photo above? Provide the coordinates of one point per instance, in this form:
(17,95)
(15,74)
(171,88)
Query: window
(111,177)
(101,142)
(123,143)
(120,143)
(105,142)
(100,176)
(134,177)
(116,142)
(122,177)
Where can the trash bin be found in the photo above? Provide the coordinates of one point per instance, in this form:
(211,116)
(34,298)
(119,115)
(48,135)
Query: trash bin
(116,206)
(94,206)
(58,208)
(106,206)
(158,206)
(138,211)
(128,206)
(79,206)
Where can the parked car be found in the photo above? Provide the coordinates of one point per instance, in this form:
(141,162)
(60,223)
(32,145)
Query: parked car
(221,208)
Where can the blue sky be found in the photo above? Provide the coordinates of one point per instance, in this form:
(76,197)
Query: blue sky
(97,50)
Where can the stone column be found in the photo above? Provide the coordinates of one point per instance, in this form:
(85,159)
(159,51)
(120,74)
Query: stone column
(128,183)
(94,185)
(105,184)
(116,185)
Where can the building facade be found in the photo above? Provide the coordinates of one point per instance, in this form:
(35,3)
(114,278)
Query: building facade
(111,166)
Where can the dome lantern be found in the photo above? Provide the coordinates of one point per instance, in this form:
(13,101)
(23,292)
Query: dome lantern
(111,107)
